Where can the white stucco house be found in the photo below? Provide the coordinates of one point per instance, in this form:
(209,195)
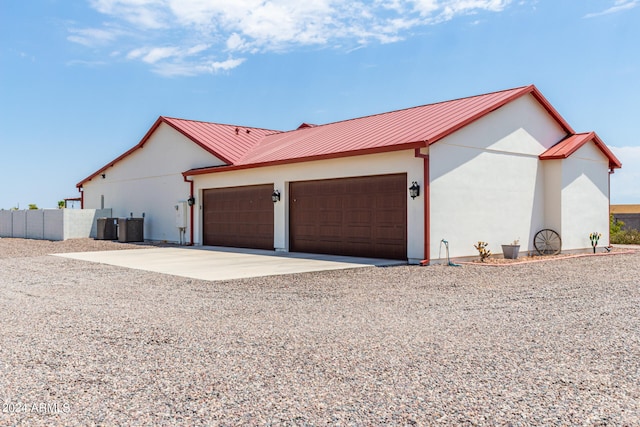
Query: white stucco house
(494,167)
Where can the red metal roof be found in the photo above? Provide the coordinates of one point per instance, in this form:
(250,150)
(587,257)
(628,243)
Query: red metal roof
(572,143)
(402,129)
(226,142)
(243,147)
(409,128)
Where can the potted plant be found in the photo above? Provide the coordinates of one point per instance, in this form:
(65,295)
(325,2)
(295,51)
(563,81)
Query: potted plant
(511,251)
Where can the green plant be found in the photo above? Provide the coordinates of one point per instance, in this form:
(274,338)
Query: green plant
(620,236)
(626,237)
(61,204)
(482,250)
(33,206)
(615,226)
(594,237)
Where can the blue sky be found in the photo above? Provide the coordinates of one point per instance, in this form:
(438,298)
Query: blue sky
(82,81)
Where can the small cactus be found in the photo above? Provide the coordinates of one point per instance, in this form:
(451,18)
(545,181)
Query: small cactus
(482,250)
(594,237)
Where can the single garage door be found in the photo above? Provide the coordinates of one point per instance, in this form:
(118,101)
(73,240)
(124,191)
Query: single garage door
(239,217)
(363,216)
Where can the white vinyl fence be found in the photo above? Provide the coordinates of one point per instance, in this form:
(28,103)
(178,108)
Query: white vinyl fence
(51,224)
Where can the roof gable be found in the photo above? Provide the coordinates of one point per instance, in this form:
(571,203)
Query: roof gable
(226,142)
(572,143)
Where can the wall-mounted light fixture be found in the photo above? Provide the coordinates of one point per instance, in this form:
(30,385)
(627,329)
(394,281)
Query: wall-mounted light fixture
(191,200)
(104,176)
(414,190)
(275,196)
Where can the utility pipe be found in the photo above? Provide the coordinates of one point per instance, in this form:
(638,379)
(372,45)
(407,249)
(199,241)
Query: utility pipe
(611,171)
(191,214)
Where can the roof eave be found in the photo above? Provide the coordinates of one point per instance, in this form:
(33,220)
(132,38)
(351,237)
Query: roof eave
(362,152)
(143,141)
(614,162)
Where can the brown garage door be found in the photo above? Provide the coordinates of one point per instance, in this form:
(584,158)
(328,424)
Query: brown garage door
(363,216)
(240,217)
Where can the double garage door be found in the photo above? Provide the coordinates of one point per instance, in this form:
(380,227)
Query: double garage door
(363,216)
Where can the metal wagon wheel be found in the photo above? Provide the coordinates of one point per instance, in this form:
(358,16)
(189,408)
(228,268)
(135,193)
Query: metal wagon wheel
(547,242)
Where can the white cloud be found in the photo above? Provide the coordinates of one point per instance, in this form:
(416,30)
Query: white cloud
(93,36)
(618,6)
(192,69)
(625,182)
(252,26)
(158,53)
(147,14)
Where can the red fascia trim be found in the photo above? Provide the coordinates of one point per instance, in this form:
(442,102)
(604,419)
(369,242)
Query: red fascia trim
(125,154)
(614,163)
(107,166)
(547,106)
(376,150)
(191,208)
(143,141)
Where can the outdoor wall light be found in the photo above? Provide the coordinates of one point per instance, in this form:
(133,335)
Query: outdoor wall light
(414,190)
(104,176)
(275,196)
(191,200)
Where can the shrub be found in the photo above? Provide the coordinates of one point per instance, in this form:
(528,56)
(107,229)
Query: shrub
(626,237)
(620,236)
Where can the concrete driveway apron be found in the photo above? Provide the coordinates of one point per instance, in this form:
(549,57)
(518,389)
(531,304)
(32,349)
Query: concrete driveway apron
(217,263)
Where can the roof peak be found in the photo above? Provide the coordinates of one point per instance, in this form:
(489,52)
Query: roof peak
(168,118)
(524,89)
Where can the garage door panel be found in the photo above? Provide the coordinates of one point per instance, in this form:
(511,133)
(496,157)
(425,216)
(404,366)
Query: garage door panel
(330,216)
(330,232)
(238,217)
(358,216)
(363,216)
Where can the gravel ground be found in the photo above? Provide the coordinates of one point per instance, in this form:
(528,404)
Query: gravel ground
(554,343)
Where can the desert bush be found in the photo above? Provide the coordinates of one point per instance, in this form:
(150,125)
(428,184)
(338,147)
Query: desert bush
(626,237)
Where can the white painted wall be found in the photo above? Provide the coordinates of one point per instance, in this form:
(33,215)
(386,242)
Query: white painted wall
(53,220)
(585,197)
(280,176)
(51,224)
(6,223)
(487,182)
(150,181)
(552,194)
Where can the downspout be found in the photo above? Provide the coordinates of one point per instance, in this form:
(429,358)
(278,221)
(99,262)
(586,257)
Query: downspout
(191,208)
(611,171)
(427,214)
